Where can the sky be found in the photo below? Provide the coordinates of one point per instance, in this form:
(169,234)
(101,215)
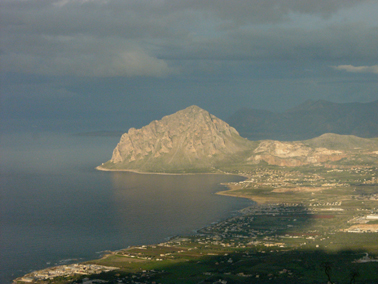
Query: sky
(115,64)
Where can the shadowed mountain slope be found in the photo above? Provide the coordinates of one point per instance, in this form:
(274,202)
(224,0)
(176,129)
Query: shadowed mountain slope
(308,120)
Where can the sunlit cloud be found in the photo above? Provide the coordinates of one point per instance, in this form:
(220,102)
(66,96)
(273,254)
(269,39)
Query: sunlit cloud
(358,69)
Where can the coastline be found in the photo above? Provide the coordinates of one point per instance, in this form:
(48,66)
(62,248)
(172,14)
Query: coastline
(99,168)
(230,187)
(108,253)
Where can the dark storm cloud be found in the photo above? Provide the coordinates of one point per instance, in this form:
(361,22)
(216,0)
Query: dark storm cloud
(332,43)
(257,11)
(151,38)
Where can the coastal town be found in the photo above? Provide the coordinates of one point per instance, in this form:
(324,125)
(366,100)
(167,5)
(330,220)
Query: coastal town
(65,271)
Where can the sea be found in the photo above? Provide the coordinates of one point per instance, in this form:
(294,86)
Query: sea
(57,209)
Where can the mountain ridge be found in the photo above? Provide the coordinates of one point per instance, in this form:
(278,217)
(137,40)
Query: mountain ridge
(308,120)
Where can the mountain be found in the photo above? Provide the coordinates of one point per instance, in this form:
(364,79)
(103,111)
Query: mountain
(308,120)
(188,140)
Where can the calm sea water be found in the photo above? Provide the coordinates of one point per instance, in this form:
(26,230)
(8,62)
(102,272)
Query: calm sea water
(56,208)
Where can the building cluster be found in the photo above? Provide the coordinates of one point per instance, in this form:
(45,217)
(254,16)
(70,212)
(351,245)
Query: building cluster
(373,180)
(279,178)
(65,271)
(367,196)
(362,228)
(268,178)
(336,203)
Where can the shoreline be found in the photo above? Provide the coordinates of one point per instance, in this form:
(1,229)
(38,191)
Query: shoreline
(99,168)
(106,253)
(223,192)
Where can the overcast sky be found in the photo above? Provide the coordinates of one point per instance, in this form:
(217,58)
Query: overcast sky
(128,62)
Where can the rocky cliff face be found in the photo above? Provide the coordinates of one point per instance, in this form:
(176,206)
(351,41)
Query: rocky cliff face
(293,154)
(190,138)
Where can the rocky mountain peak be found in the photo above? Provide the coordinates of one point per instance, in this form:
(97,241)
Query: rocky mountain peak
(190,138)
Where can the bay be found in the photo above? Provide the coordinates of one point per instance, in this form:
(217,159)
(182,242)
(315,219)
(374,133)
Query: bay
(56,208)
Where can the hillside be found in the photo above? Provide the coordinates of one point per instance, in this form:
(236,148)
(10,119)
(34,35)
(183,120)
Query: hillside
(330,150)
(308,120)
(343,142)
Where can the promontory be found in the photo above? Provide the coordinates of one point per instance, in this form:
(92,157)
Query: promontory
(190,140)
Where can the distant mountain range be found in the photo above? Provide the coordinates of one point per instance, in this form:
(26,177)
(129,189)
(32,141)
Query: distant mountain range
(308,120)
(193,140)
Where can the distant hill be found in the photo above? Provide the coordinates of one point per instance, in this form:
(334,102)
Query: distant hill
(343,142)
(308,120)
(188,140)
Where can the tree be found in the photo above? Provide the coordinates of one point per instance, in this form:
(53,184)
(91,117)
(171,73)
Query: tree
(327,270)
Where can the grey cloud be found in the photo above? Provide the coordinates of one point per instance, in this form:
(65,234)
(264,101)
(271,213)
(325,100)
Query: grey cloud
(244,12)
(20,91)
(258,11)
(128,19)
(335,42)
(82,56)
(144,18)
(149,38)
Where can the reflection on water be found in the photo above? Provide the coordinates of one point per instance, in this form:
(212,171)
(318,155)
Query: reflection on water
(47,218)
(55,206)
(157,206)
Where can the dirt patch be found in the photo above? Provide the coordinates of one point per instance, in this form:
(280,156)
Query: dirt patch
(363,228)
(299,189)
